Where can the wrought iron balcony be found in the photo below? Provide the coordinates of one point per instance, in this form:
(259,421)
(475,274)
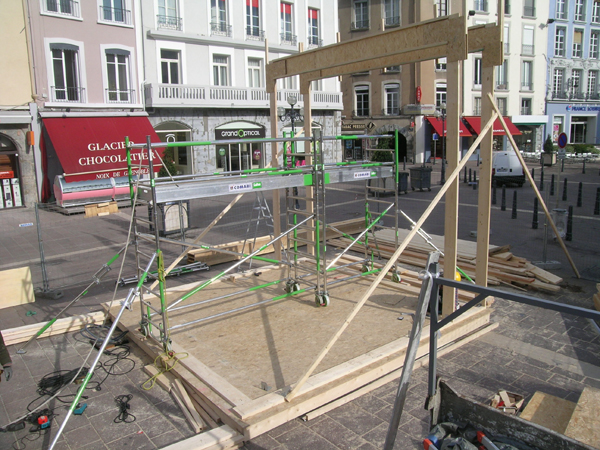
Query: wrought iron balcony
(529,11)
(559,95)
(255,34)
(116,15)
(595,96)
(578,95)
(120,96)
(314,41)
(220,29)
(526,86)
(360,25)
(502,86)
(392,21)
(169,23)
(64,7)
(68,94)
(526,110)
(288,38)
(527,49)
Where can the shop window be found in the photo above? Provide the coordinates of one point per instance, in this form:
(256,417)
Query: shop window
(287,31)
(10,187)
(253,30)
(221,70)
(219,24)
(168,15)
(392,99)
(115,11)
(170,62)
(119,82)
(392,13)
(361,93)
(578,130)
(313,28)
(557,127)
(66,74)
(559,41)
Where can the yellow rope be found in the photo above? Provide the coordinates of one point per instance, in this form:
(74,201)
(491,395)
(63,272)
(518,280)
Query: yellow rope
(163,367)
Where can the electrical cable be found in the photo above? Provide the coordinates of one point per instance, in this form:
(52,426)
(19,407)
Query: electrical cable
(124,415)
(164,367)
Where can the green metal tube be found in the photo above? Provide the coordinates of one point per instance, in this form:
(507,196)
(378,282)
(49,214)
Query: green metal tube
(318,244)
(129,170)
(397,170)
(286,172)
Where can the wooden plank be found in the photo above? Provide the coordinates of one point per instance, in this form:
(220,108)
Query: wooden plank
(583,425)
(188,416)
(537,284)
(549,411)
(17,288)
(187,401)
(206,417)
(596,299)
(216,438)
(544,275)
(504,256)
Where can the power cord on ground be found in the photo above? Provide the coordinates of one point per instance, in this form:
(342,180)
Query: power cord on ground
(164,366)
(124,415)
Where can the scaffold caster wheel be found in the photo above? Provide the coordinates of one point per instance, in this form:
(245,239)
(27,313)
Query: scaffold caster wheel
(322,299)
(292,286)
(365,268)
(145,329)
(396,277)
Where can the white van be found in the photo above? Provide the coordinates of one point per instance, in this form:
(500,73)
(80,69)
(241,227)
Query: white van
(507,169)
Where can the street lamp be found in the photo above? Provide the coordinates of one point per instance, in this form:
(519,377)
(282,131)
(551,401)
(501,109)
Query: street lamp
(292,115)
(441,113)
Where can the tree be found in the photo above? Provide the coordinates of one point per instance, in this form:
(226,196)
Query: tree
(168,160)
(548,146)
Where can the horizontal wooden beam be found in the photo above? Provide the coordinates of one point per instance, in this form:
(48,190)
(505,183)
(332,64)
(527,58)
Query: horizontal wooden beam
(488,37)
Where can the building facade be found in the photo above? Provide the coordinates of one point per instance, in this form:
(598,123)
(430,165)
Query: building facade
(204,75)
(573,95)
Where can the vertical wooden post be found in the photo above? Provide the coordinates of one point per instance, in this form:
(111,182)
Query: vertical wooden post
(306,92)
(453,110)
(272,90)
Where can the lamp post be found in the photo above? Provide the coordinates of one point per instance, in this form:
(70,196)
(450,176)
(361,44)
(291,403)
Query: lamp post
(441,113)
(292,115)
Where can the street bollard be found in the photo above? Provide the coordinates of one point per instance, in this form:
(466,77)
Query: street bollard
(535,222)
(580,194)
(477,160)
(404,164)
(494,192)
(465,177)
(552,185)
(533,172)
(562,165)
(565,191)
(569,233)
(542,180)
(597,207)
(514,208)
(470,176)
(474,180)
(583,170)
(503,201)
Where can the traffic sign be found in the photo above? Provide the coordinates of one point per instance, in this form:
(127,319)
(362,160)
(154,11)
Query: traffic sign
(562,140)
(435,137)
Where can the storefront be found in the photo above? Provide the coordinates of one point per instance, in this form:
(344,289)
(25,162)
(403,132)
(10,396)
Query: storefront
(578,121)
(500,141)
(532,132)
(437,143)
(353,148)
(10,177)
(243,156)
(182,156)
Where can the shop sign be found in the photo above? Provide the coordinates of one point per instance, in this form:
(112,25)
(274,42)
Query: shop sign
(417,110)
(582,108)
(240,187)
(353,126)
(419,93)
(242,133)
(368,174)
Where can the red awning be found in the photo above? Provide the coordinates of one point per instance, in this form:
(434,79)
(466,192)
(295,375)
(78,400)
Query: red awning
(91,148)
(475,123)
(438,126)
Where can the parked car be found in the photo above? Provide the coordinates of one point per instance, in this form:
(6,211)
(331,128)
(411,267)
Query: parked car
(507,169)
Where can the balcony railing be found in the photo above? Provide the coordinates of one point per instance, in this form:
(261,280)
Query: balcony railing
(220,29)
(559,95)
(314,41)
(480,5)
(527,49)
(390,111)
(526,86)
(526,110)
(288,38)
(163,95)
(595,96)
(360,25)
(507,48)
(392,21)
(68,94)
(578,95)
(528,11)
(255,34)
(64,7)
(120,96)
(360,113)
(116,15)
(169,23)
(477,110)
(502,86)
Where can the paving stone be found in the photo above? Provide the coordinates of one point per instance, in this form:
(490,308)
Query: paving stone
(262,442)
(81,436)
(566,383)
(355,418)
(527,385)
(106,427)
(168,438)
(284,428)
(568,374)
(137,441)
(302,438)
(337,433)
(155,425)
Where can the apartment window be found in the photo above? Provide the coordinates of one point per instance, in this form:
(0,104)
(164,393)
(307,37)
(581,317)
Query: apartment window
(391,69)
(392,13)
(480,5)
(440,64)
(527,48)
(477,106)
(114,11)
(117,71)
(441,8)
(362,100)
(221,70)
(65,65)
(506,7)
(252,19)
(361,15)
(317,85)
(287,36)
(506,38)
(502,76)
(594,41)
(596,11)
(392,99)
(313,28)
(288,83)
(558,76)
(218,18)
(592,85)
(255,73)
(527,75)
(559,41)
(529,8)
(440,94)
(577,43)
(477,73)
(64,7)
(168,15)
(561,9)
(501,103)
(170,61)
(576,81)
(579,10)
(525,106)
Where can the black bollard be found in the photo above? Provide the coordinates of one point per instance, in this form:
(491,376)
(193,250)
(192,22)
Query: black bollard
(535,222)
(478,160)
(533,173)
(474,180)
(503,202)
(404,164)
(583,170)
(569,233)
(597,207)
(565,191)
(494,192)
(514,208)
(580,194)
(470,175)
(542,180)
(465,181)
(552,185)
(562,165)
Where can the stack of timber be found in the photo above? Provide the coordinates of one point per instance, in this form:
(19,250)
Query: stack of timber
(596,297)
(213,257)
(503,267)
(68,324)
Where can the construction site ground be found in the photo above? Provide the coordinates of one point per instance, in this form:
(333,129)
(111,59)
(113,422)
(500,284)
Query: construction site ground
(531,350)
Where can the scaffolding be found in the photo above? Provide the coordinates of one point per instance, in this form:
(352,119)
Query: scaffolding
(305,226)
